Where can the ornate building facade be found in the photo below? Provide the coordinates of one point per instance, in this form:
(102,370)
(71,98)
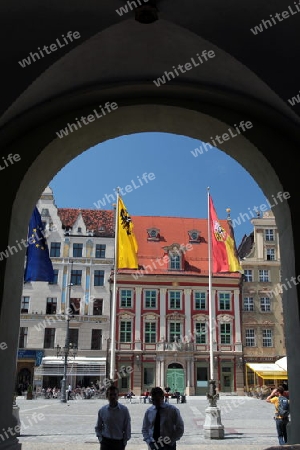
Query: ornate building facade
(262,313)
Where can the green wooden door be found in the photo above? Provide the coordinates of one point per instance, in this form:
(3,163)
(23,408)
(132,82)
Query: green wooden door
(175,380)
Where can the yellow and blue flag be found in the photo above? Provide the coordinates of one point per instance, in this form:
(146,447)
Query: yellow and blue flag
(38,263)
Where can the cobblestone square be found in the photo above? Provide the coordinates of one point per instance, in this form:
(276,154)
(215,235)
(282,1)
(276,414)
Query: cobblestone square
(49,424)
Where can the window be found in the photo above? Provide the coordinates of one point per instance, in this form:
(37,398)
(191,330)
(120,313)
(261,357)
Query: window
(150,299)
(100,250)
(200,332)
(225,333)
(55,278)
(49,337)
(224,301)
(75,306)
(51,305)
(97,307)
(175,262)
(265,304)
(248,275)
(250,338)
(125,331)
(149,376)
(99,278)
(150,332)
(23,337)
(263,275)
(79,230)
(269,235)
(175,300)
(25,305)
(45,212)
(271,254)
(175,331)
(55,249)
(153,234)
(200,300)
(76,277)
(96,340)
(73,337)
(126,298)
(267,338)
(194,236)
(248,304)
(77,250)
(125,383)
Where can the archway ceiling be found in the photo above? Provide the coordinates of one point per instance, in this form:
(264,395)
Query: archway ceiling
(114,49)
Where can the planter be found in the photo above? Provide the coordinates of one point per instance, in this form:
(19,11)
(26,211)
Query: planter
(29,396)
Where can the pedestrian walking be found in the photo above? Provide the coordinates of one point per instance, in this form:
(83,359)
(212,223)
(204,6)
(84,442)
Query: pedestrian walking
(113,427)
(69,392)
(281,417)
(162,425)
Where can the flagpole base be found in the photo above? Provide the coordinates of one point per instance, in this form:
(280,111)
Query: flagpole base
(213,428)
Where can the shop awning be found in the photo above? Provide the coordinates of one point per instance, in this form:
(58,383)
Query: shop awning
(268,371)
(79,366)
(282,363)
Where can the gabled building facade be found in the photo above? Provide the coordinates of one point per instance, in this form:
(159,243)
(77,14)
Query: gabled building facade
(163,312)
(262,314)
(81,246)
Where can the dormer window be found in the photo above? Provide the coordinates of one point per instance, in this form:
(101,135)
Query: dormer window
(153,234)
(68,231)
(175,257)
(175,262)
(194,235)
(45,212)
(79,230)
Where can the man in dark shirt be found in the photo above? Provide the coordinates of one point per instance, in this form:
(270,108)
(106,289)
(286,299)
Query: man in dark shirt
(162,424)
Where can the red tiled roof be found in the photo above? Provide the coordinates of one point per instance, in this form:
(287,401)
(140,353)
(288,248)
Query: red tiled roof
(93,219)
(173,230)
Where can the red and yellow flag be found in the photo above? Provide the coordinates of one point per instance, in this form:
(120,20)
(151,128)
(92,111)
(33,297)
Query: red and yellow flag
(126,242)
(224,252)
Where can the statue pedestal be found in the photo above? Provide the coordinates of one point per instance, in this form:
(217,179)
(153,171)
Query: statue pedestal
(213,428)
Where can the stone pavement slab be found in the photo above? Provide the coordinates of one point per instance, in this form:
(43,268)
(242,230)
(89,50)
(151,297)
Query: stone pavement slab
(50,424)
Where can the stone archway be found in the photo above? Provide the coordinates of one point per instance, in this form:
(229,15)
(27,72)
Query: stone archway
(189,117)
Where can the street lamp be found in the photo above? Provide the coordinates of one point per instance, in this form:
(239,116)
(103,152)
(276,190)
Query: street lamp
(69,350)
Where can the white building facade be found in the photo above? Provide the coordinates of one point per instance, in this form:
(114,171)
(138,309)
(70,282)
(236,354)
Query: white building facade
(81,246)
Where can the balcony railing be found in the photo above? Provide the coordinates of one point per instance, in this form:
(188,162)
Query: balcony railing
(175,346)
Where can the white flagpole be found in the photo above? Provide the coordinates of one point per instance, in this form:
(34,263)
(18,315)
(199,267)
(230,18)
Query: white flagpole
(210,300)
(113,317)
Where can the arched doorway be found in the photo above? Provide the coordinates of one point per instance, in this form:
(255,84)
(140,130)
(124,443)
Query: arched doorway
(49,155)
(24,378)
(176,378)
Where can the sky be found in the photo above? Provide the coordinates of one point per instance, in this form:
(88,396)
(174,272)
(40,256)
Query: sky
(175,183)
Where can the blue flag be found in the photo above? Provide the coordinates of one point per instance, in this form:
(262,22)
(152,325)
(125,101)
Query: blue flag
(38,263)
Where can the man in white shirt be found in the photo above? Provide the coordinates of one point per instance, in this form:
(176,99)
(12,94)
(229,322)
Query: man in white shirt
(113,427)
(162,424)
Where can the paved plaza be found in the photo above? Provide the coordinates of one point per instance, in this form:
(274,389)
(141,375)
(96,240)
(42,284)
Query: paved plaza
(50,424)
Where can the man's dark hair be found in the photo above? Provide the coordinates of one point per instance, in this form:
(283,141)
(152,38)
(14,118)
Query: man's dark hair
(111,388)
(157,391)
(280,390)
